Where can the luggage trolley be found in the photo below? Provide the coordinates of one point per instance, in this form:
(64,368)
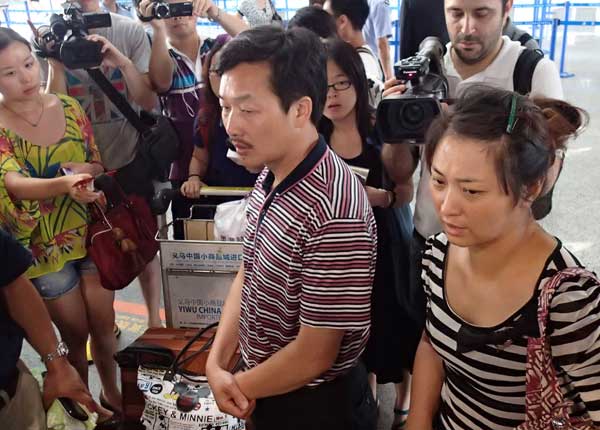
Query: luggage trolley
(196,272)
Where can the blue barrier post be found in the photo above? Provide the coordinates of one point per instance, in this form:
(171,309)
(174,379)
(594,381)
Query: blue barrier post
(397,47)
(544,12)
(555,24)
(564,74)
(6,16)
(535,27)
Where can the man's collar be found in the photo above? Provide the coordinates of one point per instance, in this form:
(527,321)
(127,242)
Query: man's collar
(303,169)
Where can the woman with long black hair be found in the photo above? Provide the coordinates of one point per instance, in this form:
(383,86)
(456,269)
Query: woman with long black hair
(347,125)
(47,155)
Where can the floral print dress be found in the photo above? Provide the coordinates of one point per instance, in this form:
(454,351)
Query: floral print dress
(53,229)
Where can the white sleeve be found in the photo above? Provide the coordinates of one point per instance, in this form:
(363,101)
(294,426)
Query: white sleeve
(372,69)
(546,81)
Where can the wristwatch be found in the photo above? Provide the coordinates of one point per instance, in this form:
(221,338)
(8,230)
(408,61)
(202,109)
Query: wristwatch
(61,351)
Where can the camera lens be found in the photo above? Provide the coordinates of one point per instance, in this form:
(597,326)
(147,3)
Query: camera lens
(161,10)
(412,116)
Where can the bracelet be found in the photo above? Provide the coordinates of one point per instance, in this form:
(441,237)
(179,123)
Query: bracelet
(194,174)
(391,199)
(216,17)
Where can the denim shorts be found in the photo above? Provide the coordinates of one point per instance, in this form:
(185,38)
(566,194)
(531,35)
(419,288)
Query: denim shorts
(54,285)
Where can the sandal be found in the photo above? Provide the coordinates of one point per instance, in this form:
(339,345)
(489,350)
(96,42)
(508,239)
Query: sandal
(117,331)
(400,416)
(110,423)
(104,403)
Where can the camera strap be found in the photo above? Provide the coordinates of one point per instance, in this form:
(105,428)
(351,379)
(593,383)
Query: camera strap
(118,100)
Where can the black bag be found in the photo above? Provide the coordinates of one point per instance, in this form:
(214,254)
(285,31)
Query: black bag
(524,69)
(159,143)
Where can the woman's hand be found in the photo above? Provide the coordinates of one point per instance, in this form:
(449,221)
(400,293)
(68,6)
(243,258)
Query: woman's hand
(76,186)
(191,188)
(112,57)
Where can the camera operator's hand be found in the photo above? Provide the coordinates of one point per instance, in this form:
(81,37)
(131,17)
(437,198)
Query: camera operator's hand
(146,9)
(393,87)
(112,57)
(205,8)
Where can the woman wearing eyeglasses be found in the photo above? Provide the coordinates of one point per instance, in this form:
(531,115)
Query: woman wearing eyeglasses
(347,125)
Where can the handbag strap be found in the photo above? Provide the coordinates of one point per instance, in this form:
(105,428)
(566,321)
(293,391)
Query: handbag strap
(117,99)
(544,398)
(178,362)
(115,195)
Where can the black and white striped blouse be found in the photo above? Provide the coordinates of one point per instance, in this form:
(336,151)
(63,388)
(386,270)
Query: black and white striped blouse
(484,386)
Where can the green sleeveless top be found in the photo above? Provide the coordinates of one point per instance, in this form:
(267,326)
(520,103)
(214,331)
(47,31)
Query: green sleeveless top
(53,229)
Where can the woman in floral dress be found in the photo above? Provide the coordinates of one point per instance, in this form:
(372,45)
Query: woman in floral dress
(42,137)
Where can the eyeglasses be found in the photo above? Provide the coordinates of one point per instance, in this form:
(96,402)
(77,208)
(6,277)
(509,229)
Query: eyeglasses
(340,86)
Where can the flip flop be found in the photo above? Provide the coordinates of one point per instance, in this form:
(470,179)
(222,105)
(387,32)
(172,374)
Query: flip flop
(400,416)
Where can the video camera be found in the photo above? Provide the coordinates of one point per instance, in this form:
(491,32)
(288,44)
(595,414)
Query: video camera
(163,10)
(405,118)
(65,37)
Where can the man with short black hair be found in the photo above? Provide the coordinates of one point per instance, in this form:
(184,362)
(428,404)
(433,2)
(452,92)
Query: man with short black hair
(316,20)
(350,17)
(299,308)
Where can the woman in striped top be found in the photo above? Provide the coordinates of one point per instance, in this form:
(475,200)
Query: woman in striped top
(490,158)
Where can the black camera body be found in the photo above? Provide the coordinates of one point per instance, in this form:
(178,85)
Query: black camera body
(163,10)
(65,38)
(406,118)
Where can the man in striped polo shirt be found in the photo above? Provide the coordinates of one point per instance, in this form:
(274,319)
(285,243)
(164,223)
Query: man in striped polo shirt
(299,309)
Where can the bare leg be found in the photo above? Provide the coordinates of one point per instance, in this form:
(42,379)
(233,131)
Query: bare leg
(402,401)
(69,314)
(403,392)
(99,305)
(150,282)
(373,384)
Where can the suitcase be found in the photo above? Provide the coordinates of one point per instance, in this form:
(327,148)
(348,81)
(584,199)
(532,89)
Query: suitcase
(157,347)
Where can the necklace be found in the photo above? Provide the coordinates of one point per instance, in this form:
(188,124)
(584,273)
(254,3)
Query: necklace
(33,124)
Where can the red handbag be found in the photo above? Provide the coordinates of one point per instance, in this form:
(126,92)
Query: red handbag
(546,408)
(121,238)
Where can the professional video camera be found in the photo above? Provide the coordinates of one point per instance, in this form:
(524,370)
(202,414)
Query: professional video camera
(65,37)
(405,118)
(164,10)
